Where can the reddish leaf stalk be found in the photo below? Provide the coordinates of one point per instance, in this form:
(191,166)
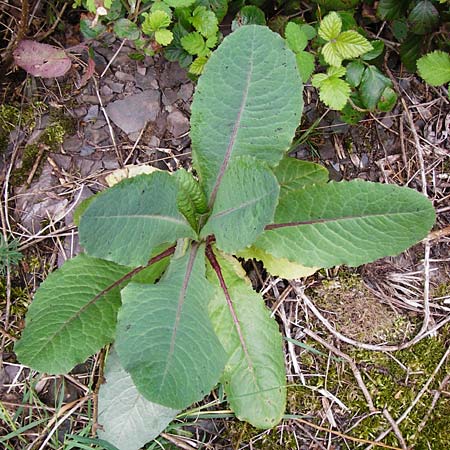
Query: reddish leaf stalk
(216,266)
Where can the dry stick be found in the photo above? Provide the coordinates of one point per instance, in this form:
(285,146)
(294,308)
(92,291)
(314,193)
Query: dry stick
(346,436)
(360,381)
(436,397)
(177,441)
(416,400)
(113,58)
(42,36)
(108,122)
(42,149)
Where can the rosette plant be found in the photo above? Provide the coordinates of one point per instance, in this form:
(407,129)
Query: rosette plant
(159,276)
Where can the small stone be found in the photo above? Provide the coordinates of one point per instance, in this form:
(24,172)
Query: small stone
(169,97)
(64,162)
(177,123)
(96,136)
(87,150)
(327,151)
(79,112)
(154,141)
(364,161)
(122,76)
(141,69)
(106,90)
(173,75)
(92,113)
(110,162)
(147,81)
(133,112)
(117,88)
(72,144)
(99,123)
(185,92)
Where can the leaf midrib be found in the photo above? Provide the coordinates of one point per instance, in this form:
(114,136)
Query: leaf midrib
(233,136)
(338,219)
(143,216)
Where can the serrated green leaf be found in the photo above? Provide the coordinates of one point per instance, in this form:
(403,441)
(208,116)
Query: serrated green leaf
(248,15)
(377,50)
(354,73)
(194,43)
(178,358)
(387,100)
(248,194)
(218,7)
(127,420)
(392,9)
(295,37)
(333,91)
(309,31)
(163,37)
(252,72)
(293,174)
(400,29)
(279,267)
(126,29)
(337,72)
(305,65)
(331,55)
(179,3)
(198,65)
(132,218)
(373,83)
(72,316)
(161,6)
(337,5)
(348,223)
(423,18)
(204,21)
(434,68)
(330,27)
(254,377)
(351,44)
(155,21)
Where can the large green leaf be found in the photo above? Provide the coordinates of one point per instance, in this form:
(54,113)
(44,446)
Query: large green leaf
(254,377)
(176,358)
(72,316)
(127,221)
(347,223)
(392,9)
(247,195)
(127,420)
(373,83)
(248,102)
(293,174)
(423,18)
(434,68)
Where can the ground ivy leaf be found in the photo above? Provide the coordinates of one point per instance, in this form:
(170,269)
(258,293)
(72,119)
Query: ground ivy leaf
(373,83)
(70,319)
(251,69)
(248,15)
(434,68)
(127,420)
(248,194)
(378,48)
(354,73)
(254,377)
(347,223)
(293,174)
(126,29)
(127,221)
(388,100)
(177,358)
(330,26)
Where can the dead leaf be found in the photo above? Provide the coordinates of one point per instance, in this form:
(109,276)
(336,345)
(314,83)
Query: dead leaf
(41,60)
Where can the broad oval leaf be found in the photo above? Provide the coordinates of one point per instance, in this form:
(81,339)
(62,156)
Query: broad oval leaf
(348,223)
(254,378)
(41,60)
(125,418)
(423,18)
(373,83)
(434,68)
(245,203)
(247,102)
(126,222)
(72,316)
(176,358)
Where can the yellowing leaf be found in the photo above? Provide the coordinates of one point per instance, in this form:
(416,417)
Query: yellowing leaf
(128,171)
(163,37)
(349,44)
(280,267)
(155,21)
(330,27)
(333,91)
(197,65)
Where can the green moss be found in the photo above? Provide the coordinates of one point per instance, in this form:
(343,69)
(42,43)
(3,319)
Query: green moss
(20,175)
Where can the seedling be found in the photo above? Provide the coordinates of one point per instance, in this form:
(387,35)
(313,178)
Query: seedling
(182,326)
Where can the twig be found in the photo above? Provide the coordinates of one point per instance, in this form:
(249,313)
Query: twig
(42,149)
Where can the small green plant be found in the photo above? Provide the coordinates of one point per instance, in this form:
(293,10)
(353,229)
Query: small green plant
(182,326)
(434,68)
(9,254)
